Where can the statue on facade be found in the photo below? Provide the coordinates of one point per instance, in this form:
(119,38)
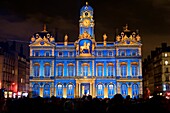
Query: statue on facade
(86,46)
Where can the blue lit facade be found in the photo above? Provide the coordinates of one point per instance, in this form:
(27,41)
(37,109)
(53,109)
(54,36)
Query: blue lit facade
(73,69)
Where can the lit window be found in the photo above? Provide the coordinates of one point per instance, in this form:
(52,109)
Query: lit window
(12,71)
(21,80)
(164,87)
(166,54)
(70,89)
(166,62)
(99,86)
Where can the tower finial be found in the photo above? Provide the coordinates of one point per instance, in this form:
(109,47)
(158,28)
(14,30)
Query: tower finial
(126,28)
(44,28)
(86,3)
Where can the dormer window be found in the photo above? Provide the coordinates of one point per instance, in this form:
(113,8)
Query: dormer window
(60,54)
(122,53)
(47,54)
(110,53)
(133,53)
(99,53)
(71,54)
(36,53)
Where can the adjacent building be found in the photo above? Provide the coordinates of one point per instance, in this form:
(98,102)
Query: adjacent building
(86,67)
(156,70)
(13,66)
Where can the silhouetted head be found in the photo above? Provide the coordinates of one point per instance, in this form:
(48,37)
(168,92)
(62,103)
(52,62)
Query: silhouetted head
(118,98)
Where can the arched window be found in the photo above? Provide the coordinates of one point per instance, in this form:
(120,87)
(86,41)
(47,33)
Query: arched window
(111,90)
(123,68)
(47,69)
(124,89)
(36,69)
(60,68)
(100,90)
(135,90)
(70,90)
(36,90)
(70,69)
(110,69)
(46,90)
(59,91)
(134,71)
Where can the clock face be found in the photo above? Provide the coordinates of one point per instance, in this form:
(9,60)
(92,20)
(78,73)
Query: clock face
(86,22)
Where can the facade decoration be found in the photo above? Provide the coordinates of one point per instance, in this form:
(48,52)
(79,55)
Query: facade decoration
(86,67)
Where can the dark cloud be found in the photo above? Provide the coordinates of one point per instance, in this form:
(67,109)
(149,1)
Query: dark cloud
(20,19)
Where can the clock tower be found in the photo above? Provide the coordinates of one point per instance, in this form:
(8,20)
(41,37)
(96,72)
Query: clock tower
(86,21)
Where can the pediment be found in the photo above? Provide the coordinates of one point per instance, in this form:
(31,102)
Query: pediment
(128,40)
(41,42)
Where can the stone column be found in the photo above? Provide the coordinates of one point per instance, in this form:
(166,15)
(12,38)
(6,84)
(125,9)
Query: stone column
(140,67)
(118,88)
(41,91)
(94,91)
(105,91)
(91,89)
(79,90)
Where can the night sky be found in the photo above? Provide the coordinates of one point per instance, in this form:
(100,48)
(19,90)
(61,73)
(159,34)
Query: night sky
(20,19)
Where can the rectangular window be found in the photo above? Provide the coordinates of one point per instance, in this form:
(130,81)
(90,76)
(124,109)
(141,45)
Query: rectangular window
(134,70)
(100,70)
(70,70)
(60,70)
(36,71)
(60,54)
(110,70)
(85,70)
(123,70)
(47,71)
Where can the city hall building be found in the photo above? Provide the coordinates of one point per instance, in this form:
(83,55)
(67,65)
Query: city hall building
(86,67)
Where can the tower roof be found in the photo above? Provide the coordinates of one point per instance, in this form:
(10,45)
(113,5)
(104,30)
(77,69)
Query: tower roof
(86,8)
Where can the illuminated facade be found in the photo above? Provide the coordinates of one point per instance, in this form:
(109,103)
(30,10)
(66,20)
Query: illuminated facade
(72,69)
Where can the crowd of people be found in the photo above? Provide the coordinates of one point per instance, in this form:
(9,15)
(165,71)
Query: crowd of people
(117,104)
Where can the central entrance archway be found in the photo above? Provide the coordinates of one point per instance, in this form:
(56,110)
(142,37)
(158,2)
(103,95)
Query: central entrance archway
(85,89)
(85,86)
